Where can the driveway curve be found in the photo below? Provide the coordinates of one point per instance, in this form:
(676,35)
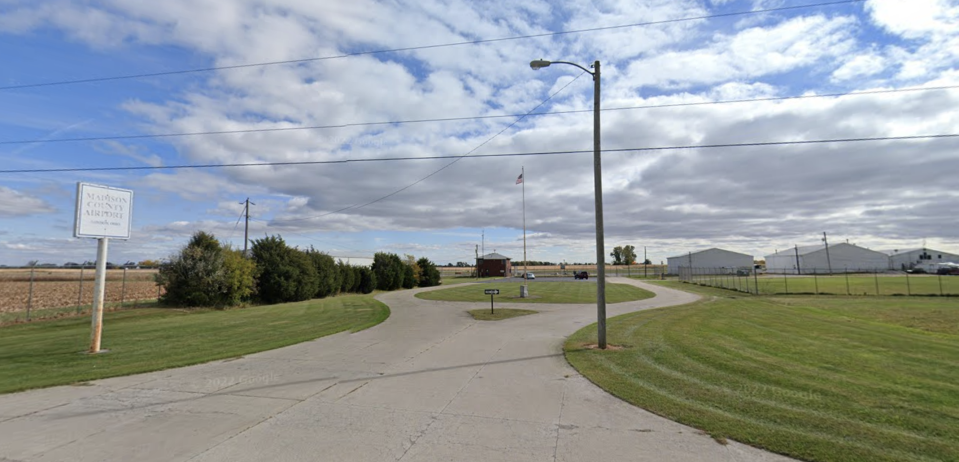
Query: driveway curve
(428,384)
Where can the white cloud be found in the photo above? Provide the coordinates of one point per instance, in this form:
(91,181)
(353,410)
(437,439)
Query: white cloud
(860,66)
(15,203)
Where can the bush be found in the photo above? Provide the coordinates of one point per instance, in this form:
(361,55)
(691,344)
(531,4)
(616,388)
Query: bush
(409,277)
(285,274)
(346,277)
(205,273)
(389,271)
(328,281)
(367,280)
(429,275)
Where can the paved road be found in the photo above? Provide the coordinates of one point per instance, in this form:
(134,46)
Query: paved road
(429,384)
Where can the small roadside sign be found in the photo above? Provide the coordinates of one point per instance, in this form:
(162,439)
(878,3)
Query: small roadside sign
(491,293)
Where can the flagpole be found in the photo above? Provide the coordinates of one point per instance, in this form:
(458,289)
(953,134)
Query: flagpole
(525,261)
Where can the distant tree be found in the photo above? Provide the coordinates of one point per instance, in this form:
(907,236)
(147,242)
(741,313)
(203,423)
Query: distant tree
(647,262)
(629,255)
(409,277)
(617,255)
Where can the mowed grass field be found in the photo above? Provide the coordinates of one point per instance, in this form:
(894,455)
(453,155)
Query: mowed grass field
(853,284)
(47,353)
(540,292)
(816,378)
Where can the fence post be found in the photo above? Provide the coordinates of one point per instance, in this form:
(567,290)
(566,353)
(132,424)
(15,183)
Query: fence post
(80,292)
(756,280)
(815,280)
(940,284)
(908,286)
(30,297)
(786,281)
(875,273)
(123,288)
(847,282)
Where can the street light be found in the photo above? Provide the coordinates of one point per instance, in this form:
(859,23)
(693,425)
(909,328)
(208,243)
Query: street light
(598,192)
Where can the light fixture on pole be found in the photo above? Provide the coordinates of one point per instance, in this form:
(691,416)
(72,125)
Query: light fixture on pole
(598,192)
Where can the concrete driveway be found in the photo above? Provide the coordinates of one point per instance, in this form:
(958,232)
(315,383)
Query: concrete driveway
(429,384)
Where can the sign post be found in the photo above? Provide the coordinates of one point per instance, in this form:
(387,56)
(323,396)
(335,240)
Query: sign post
(102,212)
(491,293)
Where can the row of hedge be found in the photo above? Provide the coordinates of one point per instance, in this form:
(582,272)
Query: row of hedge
(208,273)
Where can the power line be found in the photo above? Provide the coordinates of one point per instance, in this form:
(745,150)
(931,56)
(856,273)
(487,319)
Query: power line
(482,156)
(468,118)
(457,159)
(424,47)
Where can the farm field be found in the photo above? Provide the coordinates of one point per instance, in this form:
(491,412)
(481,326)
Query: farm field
(55,290)
(819,378)
(853,284)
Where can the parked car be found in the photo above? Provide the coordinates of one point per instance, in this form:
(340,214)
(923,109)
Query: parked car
(530,276)
(581,275)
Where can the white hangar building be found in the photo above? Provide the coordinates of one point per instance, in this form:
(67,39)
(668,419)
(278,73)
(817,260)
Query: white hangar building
(841,257)
(901,260)
(722,261)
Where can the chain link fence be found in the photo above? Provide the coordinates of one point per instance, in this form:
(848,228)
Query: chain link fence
(31,293)
(822,282)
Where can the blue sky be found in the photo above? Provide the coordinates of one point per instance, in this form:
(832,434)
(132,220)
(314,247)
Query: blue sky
(882,195)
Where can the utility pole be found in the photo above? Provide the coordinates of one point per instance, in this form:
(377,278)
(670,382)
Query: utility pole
(246,226)
(798,268)
(484,242)
(828,261)
(644,262)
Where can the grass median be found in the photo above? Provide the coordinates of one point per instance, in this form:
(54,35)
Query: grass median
(540,292)
(816,378)
(48,353)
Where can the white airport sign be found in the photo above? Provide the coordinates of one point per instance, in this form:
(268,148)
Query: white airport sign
(103,212)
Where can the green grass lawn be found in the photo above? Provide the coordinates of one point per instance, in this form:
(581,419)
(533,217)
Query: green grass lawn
(498,315)
(817,378)
(540,292)
(463,280)
(47,353)
(854,284)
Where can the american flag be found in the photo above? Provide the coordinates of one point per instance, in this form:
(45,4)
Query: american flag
(520,179)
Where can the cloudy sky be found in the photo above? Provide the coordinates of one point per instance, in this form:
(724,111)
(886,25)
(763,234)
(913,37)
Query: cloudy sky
(370,79)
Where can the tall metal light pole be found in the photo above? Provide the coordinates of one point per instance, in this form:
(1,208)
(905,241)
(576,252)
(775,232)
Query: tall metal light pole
(598,192)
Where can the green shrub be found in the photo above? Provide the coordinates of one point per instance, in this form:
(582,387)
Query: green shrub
(326,271)
(367,280)
(409,277)
(205,273)
(285,274)
(388,275)
(429,275)
(346,277)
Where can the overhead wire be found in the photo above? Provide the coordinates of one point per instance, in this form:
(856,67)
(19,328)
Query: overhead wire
(478,117)
(424,47)
(496,155)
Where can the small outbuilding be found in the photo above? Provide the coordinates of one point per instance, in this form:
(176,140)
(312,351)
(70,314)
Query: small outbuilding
(819,259)
(493,265)
(901,260)
(716,261)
